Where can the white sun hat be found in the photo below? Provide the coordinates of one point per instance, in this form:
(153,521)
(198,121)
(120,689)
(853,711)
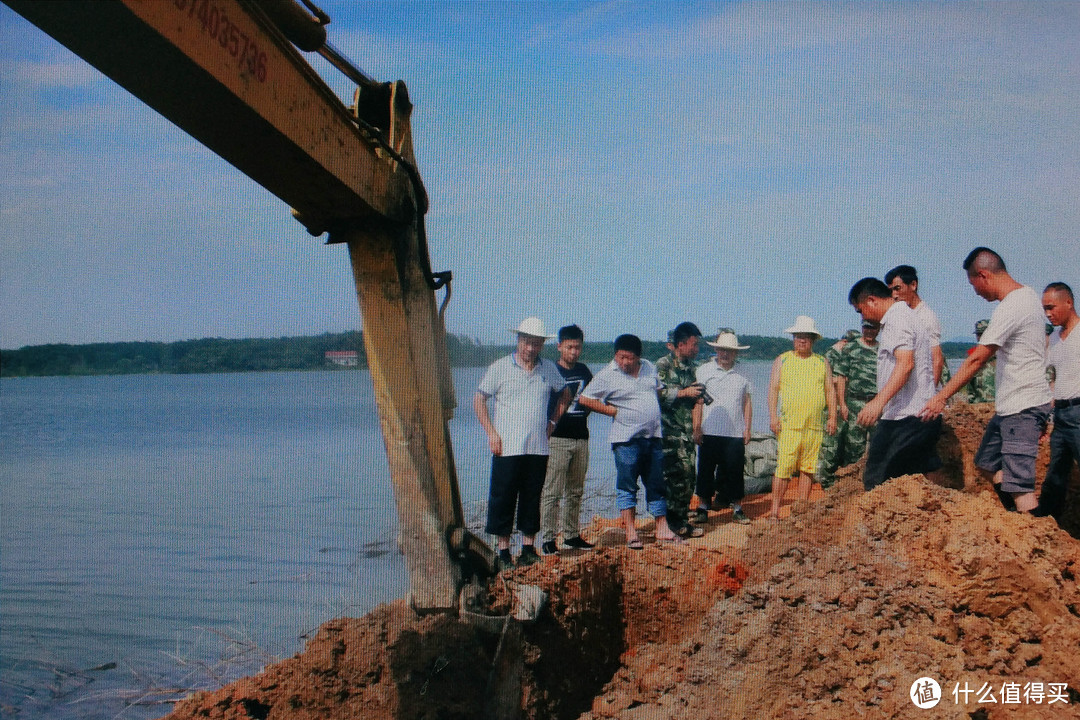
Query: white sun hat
(727,341)
(804,324)
(533,326)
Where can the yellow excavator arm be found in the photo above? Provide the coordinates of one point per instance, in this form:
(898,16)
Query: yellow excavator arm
(227,72)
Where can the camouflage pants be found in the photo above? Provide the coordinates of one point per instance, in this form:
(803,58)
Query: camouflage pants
(846,447)
(680,478)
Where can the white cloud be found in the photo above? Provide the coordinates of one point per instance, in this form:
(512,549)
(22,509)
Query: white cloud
(68,73)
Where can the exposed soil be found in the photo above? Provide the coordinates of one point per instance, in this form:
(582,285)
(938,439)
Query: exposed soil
(833,612)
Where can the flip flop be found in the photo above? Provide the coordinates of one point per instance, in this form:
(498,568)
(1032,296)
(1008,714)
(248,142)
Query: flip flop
(635,544)
(673,541)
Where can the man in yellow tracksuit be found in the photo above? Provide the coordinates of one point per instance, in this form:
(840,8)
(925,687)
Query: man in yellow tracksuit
(800,392)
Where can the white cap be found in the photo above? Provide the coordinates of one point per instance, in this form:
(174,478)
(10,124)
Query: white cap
(532,326)
(727,341)
(804,324)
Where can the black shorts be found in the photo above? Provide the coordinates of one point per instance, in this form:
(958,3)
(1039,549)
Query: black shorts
(901,447)
(517,482)
(720,469)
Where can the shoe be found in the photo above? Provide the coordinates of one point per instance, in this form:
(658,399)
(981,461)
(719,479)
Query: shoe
(740,517)
(550,548)
(689,531)
(579,543)
(528,556)
(504,561)
(635,544)
(700,516)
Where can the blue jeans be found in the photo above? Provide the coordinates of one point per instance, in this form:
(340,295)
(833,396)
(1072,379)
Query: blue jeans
(1064,452)
(640,458)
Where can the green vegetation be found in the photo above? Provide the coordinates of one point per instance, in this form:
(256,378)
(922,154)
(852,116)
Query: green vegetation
(186,356)
(305,353)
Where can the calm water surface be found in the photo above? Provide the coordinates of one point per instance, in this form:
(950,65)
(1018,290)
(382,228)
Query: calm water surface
(177,531)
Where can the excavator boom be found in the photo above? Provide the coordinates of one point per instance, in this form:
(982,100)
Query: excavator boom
(225,72)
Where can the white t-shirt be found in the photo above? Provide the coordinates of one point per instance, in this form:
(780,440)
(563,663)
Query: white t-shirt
(1064,357)
(724,416)
(929,318)
(637,404)
(1018,329)
(521,403)
(902,329)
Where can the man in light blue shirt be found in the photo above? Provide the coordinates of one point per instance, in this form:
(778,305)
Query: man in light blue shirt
(626,391)
(520,386)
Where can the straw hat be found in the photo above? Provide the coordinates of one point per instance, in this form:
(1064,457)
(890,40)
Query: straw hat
(804,324)
(533,326)
(727,341)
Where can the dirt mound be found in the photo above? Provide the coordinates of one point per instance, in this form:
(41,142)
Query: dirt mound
(961,435)
(833,612)
(862,598)
(604,606)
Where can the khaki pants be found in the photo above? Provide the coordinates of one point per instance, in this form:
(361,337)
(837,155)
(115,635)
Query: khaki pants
(564,484)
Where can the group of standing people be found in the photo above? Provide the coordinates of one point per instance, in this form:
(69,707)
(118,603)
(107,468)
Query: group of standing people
(681,428)
(535,412)
(1036,384)
(913,391)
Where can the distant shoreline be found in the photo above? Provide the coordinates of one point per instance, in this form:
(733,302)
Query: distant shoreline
(309,352)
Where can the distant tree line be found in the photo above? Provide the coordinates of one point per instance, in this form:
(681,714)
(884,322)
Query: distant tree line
(215,355)
(208,355)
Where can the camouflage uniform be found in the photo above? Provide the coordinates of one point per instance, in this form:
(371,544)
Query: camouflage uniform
(857,363)
(980,389)
(677,421)
(829,457)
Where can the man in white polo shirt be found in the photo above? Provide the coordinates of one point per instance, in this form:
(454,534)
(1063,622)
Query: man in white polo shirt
(903,281)
(902,444)
(722,425)
(626,391)
(520,385)
(1016,335)
(1064,359)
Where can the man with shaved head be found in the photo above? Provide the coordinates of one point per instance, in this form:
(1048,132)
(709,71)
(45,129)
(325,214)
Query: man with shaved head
(1064,362)
(1016,335)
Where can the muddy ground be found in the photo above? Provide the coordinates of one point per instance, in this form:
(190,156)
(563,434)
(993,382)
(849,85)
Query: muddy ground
(833,612)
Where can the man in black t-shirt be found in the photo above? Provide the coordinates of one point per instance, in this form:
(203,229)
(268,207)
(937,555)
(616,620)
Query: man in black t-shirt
(560,504)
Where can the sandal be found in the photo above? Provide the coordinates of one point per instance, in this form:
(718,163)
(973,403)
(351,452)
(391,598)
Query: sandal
(690,531)
(673,540)
(635,544)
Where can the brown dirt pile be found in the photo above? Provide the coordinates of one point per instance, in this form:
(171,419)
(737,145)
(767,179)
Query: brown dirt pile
(860,598)
(830,613)
(603,607)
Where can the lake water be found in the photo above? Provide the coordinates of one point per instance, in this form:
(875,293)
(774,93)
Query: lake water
(178,531)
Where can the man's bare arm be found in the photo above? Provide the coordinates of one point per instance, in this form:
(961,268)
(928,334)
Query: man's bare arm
(972,364)
(774,397)
(480,407)
(597,406)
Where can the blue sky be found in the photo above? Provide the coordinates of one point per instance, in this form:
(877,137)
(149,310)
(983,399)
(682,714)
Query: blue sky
(620,165)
